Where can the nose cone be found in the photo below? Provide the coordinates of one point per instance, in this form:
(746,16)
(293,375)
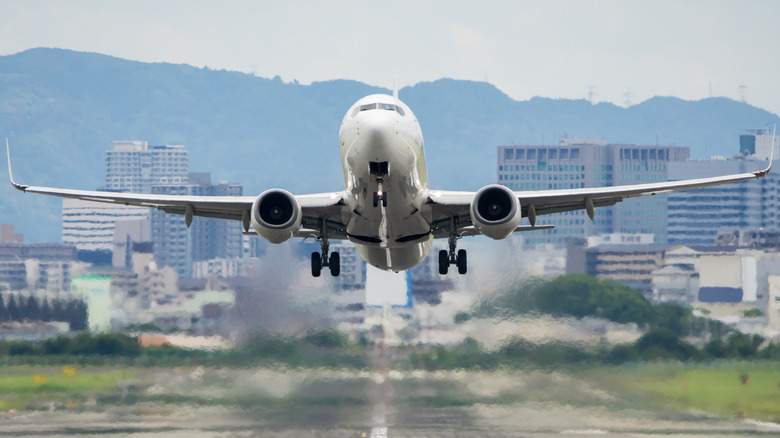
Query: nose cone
(378,129)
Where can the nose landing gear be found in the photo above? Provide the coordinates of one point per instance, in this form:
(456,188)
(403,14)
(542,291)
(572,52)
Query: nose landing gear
(380,195)
(379,170)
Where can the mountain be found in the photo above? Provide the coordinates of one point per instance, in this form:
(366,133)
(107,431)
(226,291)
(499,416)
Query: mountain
(61,109)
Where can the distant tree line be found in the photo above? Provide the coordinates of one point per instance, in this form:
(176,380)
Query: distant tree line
(655,344)
(580,296)
(83,344)
(315,348)
(575,295)
(17,308)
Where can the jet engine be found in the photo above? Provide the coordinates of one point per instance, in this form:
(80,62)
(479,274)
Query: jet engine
(276,215)
(495,211)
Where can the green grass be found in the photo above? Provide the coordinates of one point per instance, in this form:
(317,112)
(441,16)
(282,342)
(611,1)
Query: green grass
(22,387)
(715,388)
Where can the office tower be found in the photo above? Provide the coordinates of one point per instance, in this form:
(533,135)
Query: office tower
(577,163)
(177,246)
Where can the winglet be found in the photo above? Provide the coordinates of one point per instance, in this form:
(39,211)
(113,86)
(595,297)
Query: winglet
(10,172)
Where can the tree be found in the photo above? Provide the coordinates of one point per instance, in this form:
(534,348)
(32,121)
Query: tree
(58,312)
(662,343)
(14,313)
(581,295)
(32,311)
(46,312)
(76,314)
(3,310)
(673,317)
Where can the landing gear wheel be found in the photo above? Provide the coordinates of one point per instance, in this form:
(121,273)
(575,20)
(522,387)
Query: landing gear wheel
(316,264)
(378,197)
(461,261)
(335,264)
(444,262)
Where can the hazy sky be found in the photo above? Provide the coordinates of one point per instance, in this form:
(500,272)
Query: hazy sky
(616,49)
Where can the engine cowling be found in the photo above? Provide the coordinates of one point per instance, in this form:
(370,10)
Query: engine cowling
(276,215)
(495,211)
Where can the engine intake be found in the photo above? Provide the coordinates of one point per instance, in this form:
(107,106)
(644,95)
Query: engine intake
(495,211)
(276,215)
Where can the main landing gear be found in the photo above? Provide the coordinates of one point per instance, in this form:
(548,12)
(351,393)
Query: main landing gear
(447,258)
(318,260)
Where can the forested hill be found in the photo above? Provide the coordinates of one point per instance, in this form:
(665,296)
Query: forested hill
(61,109)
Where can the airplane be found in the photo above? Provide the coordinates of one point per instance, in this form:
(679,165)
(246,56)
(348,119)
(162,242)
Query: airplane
(387,208)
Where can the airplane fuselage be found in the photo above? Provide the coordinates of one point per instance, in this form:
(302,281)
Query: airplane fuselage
(386,181)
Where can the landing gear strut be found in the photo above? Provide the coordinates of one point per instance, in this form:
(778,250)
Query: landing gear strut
(318,260)
(447,258)
(379,170)
(380,195)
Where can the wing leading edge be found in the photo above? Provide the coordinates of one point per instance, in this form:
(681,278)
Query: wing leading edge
(449,206)
(316,208)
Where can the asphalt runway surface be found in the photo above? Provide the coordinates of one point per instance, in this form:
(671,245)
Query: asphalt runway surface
(328,403)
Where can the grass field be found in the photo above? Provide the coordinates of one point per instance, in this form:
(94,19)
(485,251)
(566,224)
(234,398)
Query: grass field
(716,388)
(27,387)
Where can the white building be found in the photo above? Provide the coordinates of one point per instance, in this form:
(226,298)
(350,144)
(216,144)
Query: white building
(222,268)
(91,225)
(773,307)
(134,166)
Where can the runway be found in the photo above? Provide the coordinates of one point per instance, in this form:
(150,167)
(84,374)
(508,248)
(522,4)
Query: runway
(328,403)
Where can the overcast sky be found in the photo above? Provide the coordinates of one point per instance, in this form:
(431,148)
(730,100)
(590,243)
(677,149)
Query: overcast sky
(616,50)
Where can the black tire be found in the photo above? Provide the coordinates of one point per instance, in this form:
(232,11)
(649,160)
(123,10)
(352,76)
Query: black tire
(316,264)
(335,264)
(376,199)
(444,262)
(462,261)
(384,200)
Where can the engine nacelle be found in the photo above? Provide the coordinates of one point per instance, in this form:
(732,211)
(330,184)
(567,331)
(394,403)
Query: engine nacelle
(276,215)
(495,211)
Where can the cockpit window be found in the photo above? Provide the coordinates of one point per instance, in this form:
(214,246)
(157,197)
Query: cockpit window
(382,106)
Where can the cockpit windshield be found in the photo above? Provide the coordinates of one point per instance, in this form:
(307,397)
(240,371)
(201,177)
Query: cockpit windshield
(381,106)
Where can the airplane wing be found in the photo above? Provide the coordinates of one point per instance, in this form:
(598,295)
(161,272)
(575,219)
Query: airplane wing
(317,209)
(453,207)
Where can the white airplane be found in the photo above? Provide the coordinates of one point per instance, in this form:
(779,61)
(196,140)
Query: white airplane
(387,208)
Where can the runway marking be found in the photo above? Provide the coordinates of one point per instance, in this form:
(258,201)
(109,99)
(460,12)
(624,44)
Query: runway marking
(584,432)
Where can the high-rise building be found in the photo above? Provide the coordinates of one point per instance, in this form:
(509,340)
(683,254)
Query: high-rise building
(134,166)
(90,226)
(131,166)
(696,216)
(353,267)
(177,246)
(757,143)
(577,163)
